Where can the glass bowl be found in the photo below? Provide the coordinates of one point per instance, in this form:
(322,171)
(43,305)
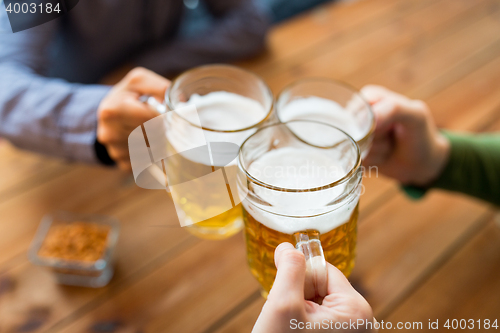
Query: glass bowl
(78,248)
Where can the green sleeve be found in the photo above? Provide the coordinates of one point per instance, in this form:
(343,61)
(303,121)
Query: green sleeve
(473,167)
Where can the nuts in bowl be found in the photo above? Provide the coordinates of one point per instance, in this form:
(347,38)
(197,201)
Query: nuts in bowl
(78,248)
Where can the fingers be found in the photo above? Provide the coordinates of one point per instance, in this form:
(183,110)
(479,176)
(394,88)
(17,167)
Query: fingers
(344,299)
(146,82)
(124,164)
(374,93)
(337,282)
(118,115)
(286,298)
(384,107)
(288,286)
(120,112)
(118,152)
(390,108)
(132,113)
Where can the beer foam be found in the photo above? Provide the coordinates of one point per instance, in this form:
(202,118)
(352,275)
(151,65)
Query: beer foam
(225,111)
(324,110)
(296,168)
(220,111)
(299,168)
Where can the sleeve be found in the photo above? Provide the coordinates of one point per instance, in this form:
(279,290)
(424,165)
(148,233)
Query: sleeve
(473,167)
(46,115)
(238,32)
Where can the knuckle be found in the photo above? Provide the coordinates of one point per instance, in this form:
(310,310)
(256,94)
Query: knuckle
(421,105)
(106,136)
(107,113)
(371,87)
(394,107)
(103,135)
(124,155)
(420,112)
(136,74)
(372,91)
(118,152)
(130,103)
(125,166)
(123,163)
(294,257)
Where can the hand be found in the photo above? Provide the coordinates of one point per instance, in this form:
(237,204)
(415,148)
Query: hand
(407,145)
(286,307)
(120,111)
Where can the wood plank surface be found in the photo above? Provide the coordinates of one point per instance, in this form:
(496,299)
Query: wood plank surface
(472,102)
(291,40)
(213,274)
(465,287)
(30,171)
(360,59)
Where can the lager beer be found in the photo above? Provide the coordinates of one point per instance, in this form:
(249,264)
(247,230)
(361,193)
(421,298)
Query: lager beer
(231,104)
(331,102)
(295,183)
(339,247)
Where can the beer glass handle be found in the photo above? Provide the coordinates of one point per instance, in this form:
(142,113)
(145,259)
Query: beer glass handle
(153,103)
(316,283)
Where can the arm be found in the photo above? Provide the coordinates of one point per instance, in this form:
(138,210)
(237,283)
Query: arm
(239,31)
(46,115)
(473,167)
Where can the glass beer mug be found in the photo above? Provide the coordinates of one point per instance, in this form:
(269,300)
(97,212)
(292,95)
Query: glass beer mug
(332,102)
(301,181)
(231,103)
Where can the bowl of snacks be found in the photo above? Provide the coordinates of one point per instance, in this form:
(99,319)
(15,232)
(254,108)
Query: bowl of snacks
(78,248)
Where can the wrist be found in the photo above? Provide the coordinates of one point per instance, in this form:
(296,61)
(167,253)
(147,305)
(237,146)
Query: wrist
(102,154)
(433,167)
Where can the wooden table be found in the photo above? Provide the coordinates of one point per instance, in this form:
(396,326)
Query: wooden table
(436,258)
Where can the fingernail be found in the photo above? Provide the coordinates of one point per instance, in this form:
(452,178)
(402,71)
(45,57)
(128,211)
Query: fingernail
(283,246)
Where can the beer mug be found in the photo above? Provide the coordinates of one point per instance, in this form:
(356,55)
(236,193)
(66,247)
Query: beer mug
(331,102)
(231,103)
(301,181)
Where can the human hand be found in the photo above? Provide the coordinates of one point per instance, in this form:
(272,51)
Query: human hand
(286,308)
(120,111)
(407,145)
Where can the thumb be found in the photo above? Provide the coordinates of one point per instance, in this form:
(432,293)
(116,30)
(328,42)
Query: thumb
(289,283)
